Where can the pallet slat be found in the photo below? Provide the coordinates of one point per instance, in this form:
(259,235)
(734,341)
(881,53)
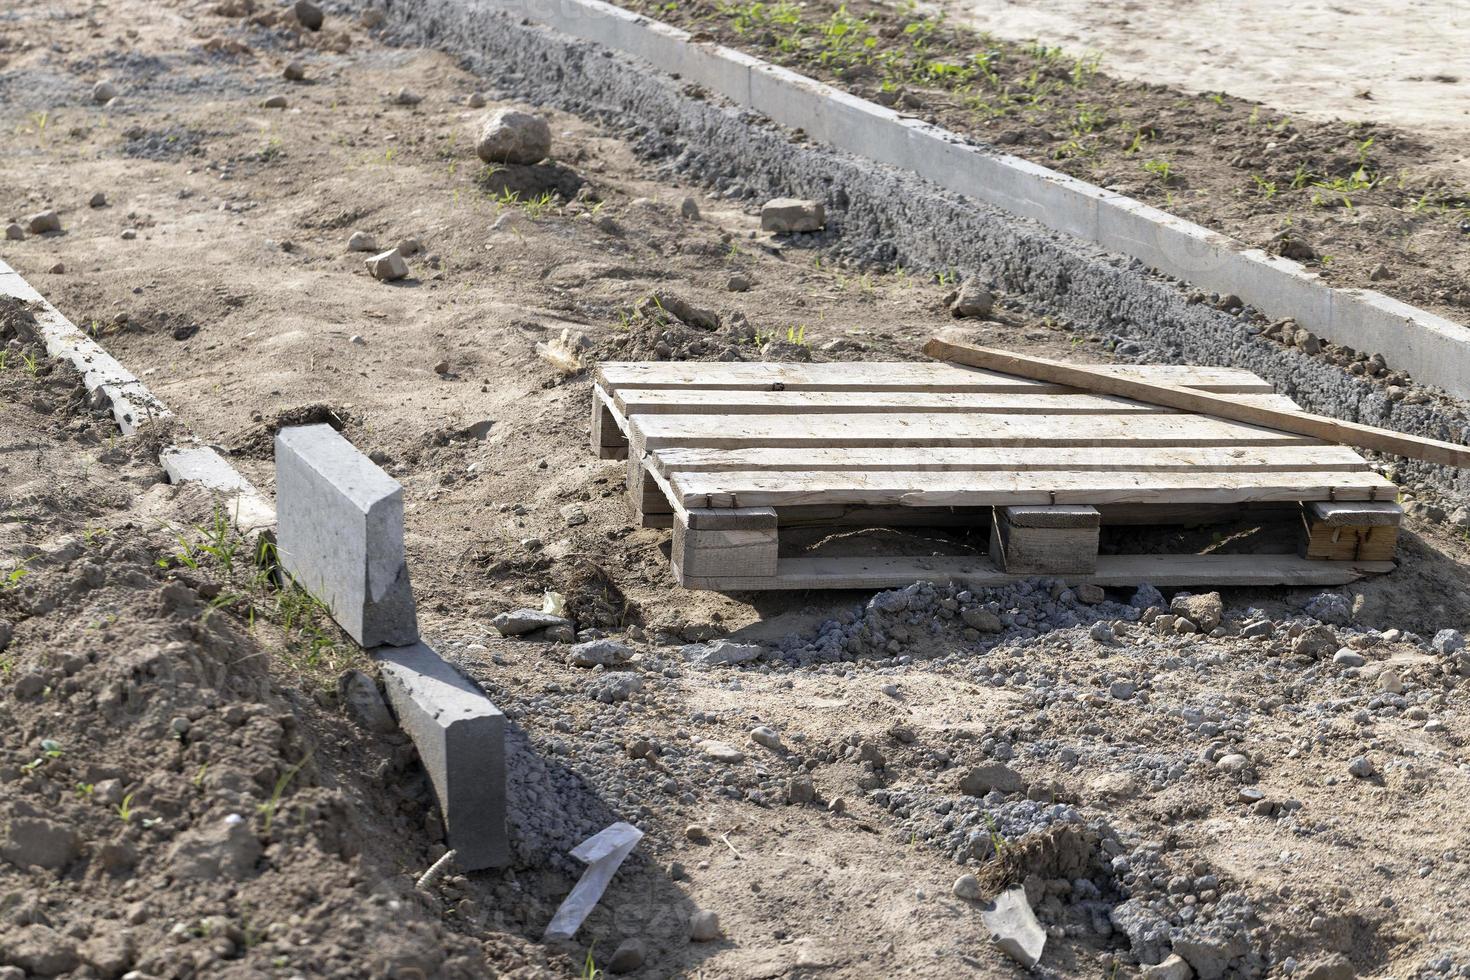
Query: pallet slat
(891,376)
(940,429)
(930,489)
(1288,458)
(1165,571)
(644,402)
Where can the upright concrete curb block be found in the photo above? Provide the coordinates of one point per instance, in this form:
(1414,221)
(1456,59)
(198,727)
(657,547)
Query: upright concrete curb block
(460,737)
(339,533)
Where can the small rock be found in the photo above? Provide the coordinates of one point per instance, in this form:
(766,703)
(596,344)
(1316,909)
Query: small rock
(225,848)
(361,241)
(982,620)
(599,653)
(1172,968)
(128,234)
(721,752)
(738,283)
(521,621)
(689,209)
(993,776)
(800,790)
(510,136)
(704,926)
(697,833)
(1349,658)
(787,214)
(364,703)
(274,102)
(1317,642)
(1090,594)
(1014,928)
(104,92)
(43,221)
(1122,690)
(98,200)
(309,14)
(1233,763)
(1447,642)
(574,515)
(967,887)
(38,842)
(628,957)
(767,736)
(293,72)
(441,368)
(1361,767)
(1390,681)
(1102,632)
(14,232)
(1205,611)
(721,653)
(57,269)
(388,266)
(475,100)
(406,97)
(973,300)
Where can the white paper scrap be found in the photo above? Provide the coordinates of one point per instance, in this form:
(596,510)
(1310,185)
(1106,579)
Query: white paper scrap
(603,853)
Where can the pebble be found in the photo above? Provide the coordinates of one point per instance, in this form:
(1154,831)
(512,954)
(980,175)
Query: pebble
(696,832)
(574,515)
(43,221)
(388,266)
(98,200)
(104,92)
(974,299)
(967,887)
(1391,682)
(293,72)
(689,209)
(721,752)
(511,136)
(274,102)
(767,736)
(14,232)
(788,214)
(1361,767)
(1233,763)
(599,653)
(406,97)
(1348,658)
(704,926)
(361,241)
(128,234)
(738,283)
(628,957)
(309,14)
(475,100)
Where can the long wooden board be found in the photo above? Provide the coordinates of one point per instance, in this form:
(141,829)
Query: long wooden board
(658,401)
(885,376)
(1125,571)
(1287,458)
(1191,400)
(945,429)
(946,489)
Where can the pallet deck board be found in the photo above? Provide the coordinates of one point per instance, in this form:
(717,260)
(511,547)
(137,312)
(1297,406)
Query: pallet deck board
(760,448)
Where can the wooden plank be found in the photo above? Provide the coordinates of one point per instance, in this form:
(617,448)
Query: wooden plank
(1287,458)
(608,439)
(1336,531)
(1123,571)
(1065,516)
(648,504)
(641,402)
(1355,514)
(651,432)
(1190,400)
(880,488)
(869,376)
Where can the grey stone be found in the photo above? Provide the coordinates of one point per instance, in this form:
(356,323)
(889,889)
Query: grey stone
(738,283)
(309,14)
(36,841)
(981,619)
(599,653)
(14,232)
(104,92)
(1146,595)
(721,751)
(1014,928)
(1208,951)
(460,737)
(1361,767)
(42,222)
(1090,594)
(721,653)
(689,209)
(1205,611)
(339,521)
(510,136)
(1348,658)
(993,776)
(274,102)
(7,631)
(767,736)
(704,926)
(360,694)
(967,887)
(788,214)
(1447,642)
(973,299)
(628,957)
(293,72)
(97,200)
(800,790)
(387,266)
(614,688)
(519,622)
(361,241)
(1317,642)
(1173,968)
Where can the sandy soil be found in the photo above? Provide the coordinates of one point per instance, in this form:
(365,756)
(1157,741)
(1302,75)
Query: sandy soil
(236,298)
(1403,64)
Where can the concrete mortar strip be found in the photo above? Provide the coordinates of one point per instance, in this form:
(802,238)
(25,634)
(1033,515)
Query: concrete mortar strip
(888,214)
(459,733)
(1433,349)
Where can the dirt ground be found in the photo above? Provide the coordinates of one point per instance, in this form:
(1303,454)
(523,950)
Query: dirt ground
(218,270)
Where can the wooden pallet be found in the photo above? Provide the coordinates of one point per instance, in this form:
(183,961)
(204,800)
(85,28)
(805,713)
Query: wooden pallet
(727,454)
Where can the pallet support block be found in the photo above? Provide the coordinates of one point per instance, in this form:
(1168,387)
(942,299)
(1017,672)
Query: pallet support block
(721,542)
(647,505)
(608,440)
(1059,540)
(460,737)
(1356,530)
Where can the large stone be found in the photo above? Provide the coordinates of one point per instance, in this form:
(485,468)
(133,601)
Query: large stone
(721,653)
(361,241)
(387,266)
(1208,951)
(1447,641)
(339,526)
(599,653)
(974,299)
(788,214)
(1317,642)
(518,622)
(991,777)
(42,222)
(1014,928)
(460,738)
(511,136)
(1205,611)
(1173,968)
